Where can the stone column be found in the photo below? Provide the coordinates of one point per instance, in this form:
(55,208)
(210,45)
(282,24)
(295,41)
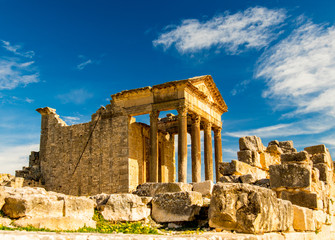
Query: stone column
(182,144)
(196,149)
(154,146)
(218,151)
(208,151)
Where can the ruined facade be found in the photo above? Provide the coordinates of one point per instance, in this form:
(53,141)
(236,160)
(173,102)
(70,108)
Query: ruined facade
(113,153)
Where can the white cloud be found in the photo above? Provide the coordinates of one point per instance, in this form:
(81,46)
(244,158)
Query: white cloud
(252,29)
(82,65)
(314,125)
(77,96)
(15,157)
(16,49)
(300,70)
(71,120)
(14,73)
(240,87)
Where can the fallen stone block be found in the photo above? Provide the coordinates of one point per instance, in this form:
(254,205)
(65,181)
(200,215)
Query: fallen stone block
(248,209)
(290,176)
(316,149)
(124,207)
(250,157)
(249,178)
(176,207)
(302,199)
(300,157)
(274,149)
(251,143)
(100,199)
(55,223)
(303,219)
(236,167)
(32,202)
(268,159)
(78,207)
(151,189)
(325,173)
(205,188)
(322,158)
(287,147)
(230,179)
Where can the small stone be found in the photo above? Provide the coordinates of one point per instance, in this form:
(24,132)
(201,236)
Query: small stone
(265,183)
(273,143)
(248,178)
(230,179)
(325,174)
(151,189)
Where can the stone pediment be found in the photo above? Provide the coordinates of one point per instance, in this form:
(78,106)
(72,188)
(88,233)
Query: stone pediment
(207,87)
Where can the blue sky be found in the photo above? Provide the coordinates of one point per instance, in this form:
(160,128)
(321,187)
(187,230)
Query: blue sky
(273,62)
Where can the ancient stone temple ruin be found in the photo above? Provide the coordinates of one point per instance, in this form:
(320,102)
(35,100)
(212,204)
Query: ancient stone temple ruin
(114,153)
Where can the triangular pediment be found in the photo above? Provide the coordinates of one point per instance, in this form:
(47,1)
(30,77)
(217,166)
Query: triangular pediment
(206,85)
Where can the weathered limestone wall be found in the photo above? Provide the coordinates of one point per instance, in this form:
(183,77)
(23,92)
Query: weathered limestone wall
(108,154)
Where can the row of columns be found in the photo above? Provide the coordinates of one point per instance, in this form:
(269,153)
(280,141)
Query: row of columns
(182,147)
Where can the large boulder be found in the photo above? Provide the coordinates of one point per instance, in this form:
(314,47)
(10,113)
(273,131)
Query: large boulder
(150,189)
(32,202)
(248,209)
(176,207)
(125,207)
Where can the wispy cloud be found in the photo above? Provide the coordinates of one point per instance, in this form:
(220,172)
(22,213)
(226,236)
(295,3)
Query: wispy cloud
(76,96)
(300,70)
(254,28)
(16,71)
(82,65)
(16,49)
(240,87)
(4,99)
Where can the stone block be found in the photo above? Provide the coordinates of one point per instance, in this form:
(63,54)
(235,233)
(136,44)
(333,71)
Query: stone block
(290,176)
(205,188)
(268,159)
(286,144)
(274,142)
(78,207)
(325,173)
(236,167)
(29,202)
(230,179)
(55,223)
(316,149)
(151,189)
(303,219)
(2,196)
(249,178)
(100,199)
(319,218)
(124,207)
(176,207)
(6,222)
(265,183)
(251,143)
(250,157)
(322,158)
(274,149)
(248,209)
(300,157)
(302,199)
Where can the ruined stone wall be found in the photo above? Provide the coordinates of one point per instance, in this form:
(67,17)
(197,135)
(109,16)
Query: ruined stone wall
(98,148)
